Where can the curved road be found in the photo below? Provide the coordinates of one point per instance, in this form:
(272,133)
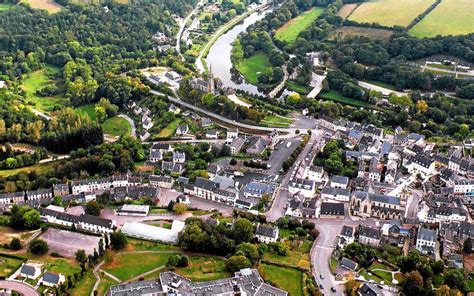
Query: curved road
(182,26)
(132,124)
(23,288)
(224,119)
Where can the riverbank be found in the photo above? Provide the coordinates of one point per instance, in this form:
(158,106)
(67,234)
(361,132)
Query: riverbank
(200,61)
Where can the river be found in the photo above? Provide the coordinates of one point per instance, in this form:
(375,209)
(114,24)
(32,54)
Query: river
(218,59)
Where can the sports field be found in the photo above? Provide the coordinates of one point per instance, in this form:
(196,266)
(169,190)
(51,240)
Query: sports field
(290,31)
(450,17)
(390,12)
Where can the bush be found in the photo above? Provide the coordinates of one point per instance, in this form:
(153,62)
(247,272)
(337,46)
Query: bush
(38,247)
(15,244)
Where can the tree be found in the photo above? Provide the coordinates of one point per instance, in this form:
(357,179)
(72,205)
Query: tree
(15,244)
(180,208)
(437,266)
(101,247)
(413,283)
(80,256)
(173,261)
(421,106)
(248,250)
(38,247)
(32,219)
(118,241)
(170,206)
(236,263)
(409,262)
(456,279)
(92,208)
(183,261)
(243,230)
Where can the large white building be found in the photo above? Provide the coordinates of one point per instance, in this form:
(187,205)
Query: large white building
(426,240)
(154,233)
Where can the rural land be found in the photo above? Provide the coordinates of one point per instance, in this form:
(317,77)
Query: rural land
(237,147)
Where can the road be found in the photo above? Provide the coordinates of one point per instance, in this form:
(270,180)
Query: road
(182,26)
(40,114)
(383,90)
(23,288)
(470,73)
(51,159)
(224,119)
(412,207)
(280,85)
(132,124)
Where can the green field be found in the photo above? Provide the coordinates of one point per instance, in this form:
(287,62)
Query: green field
(85,285)
(301,89)
(88,109)
(8,265)
(278,121)
(5,6)
(288,279)
(390,12)
(170,129)
(104,285)
(116,126)
(294,258)
(126,266)
(38,80)
(450,17)
(253,66)
(337,97)
(203,269)
(289,32)
(40,167)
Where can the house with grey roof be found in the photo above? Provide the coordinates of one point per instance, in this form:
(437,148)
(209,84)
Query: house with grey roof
(331,210)
(348,264)
(182,130)
(236,145)
(30,271)
(370,236)
(426,240)
(347,236)
(257,190)
(338,194)
(339,182)
(50,279)
(266,233)
(366,204)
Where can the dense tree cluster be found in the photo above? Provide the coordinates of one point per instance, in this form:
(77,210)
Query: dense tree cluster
(333,159)
(24,218)
(11,158)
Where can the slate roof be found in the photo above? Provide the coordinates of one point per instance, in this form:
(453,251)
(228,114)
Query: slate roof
(426,234)
(348,263)
(347,231)
(369,232)
(266,230)
(387,199)
(339,179)
(50,277)
(331,208)
(28,270)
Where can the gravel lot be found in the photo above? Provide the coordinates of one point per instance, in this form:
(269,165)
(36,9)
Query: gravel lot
(67,243)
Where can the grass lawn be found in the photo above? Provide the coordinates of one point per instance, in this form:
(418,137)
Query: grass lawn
(302,89)
(290,31)
(104,285)
(170,129)
(48,5)
(5,6)
(288,279)
(88,109)
(337,97)
(390,12)
(202,269)
(126,266)
(8,265)
(294,258)
(470,284)
(385,275)
(40,167)
(116,126)
(62,265)
(142,245)
(450,17)
(85,285)
(38,80)
(253,66)
(333,263)
(276,120)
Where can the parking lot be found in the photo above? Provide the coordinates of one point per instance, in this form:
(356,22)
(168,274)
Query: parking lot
(280,153)
(66,243)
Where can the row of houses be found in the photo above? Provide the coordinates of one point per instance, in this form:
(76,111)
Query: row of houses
(82,222)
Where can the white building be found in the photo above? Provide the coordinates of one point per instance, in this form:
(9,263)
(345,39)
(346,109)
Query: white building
(154,233)
(339,182)
(133,210)
(50,279)
(266,234)
(305,187)
(232,133)
(464,186)
(420,164)
(338,194)
(314,173)
(426,240)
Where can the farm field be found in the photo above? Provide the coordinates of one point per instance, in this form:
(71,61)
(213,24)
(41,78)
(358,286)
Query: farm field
(40,167)
(373,33)
(280,277)
(36,81)
(290,31)
(390,12)
(48,5)
(450,17)
(253,66)
(346,10)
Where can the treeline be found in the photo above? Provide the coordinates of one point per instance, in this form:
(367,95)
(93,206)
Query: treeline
(101,160)
(12,159)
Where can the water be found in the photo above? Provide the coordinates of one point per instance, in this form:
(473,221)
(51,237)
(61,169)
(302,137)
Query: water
(218,59)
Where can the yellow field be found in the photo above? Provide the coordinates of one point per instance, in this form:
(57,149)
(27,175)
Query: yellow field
(48,5)
(390,12)
(450,17)
(346,9)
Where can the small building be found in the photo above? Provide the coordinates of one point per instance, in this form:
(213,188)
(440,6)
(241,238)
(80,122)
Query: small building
(338,194)
(370,289)
(212,134)
(133,210)
(161,181)
(346,236)
(61,189)
(182,130)
(236,145)
(257,190)
(266,234)
(314,173)
(369,236)
(305,187)
(154,233)
(232,134)
(30,271)
(179,157)
(348,264)
(50,279)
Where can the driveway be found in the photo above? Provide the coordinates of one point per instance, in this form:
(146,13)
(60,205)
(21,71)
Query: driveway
(20,287)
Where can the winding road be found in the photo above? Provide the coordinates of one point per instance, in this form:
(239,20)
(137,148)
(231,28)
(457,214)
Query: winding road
(182,26)
(132,124)
(20,287)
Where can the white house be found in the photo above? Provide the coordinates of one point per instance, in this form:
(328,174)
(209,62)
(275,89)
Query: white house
(314,173)
(426,240)
(232,133)
(420,164)
(179,157)
(339,181)
(346,236)
(50,279)
(369,236)
(266,234)
(464,186)
(161,181)
(30,271)
(338,194)
(305,187)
